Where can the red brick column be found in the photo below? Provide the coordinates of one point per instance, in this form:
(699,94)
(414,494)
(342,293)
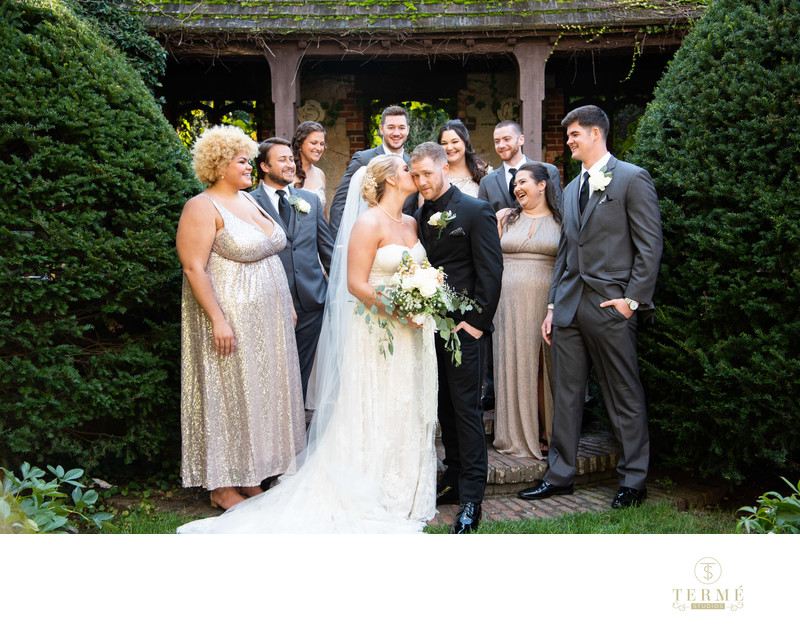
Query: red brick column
(554,136)
(353,115)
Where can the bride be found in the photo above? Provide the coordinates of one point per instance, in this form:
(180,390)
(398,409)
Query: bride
(370,464)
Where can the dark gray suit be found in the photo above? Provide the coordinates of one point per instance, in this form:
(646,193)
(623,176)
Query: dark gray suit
(613,251)
(308,242)
(494,189)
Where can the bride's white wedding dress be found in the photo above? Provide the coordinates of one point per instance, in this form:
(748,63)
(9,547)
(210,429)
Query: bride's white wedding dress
(371,466)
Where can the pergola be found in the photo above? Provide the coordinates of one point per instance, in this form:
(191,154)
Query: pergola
(289,32)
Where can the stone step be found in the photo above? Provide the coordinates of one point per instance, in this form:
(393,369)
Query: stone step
(598,451)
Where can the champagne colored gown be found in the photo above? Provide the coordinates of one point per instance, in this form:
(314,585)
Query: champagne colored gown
(528,263)
(373,469)
(242,417)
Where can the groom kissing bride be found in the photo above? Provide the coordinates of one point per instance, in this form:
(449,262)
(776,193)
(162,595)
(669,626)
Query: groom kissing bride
(459,233)
(370,462)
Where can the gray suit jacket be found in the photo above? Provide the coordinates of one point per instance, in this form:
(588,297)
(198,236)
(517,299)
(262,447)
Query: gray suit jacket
(494,190)
(615,248)
(308,241)
(359,159)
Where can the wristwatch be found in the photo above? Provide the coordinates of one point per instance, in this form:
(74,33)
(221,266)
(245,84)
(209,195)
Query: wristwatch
(634,305)
(551,305)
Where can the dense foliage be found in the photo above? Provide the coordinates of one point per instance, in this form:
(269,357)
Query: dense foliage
(722,141)
(128,33)
(92,181)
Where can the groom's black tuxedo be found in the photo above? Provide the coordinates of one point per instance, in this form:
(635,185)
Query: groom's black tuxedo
(469,251)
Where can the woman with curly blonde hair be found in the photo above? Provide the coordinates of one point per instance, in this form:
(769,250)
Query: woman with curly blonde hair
(242,416)
(370,465)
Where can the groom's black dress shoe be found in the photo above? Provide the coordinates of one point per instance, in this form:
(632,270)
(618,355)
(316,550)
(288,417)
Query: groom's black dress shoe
(545,490)
(487,402)
(467,519)
(447,495)
(628,497)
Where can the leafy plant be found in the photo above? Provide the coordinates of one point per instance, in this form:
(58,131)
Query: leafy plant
(774,513)
(720,138)
(45,506)
(92,182)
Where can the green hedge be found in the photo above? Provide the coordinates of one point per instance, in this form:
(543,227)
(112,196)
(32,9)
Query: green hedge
(92,181)
(722,141)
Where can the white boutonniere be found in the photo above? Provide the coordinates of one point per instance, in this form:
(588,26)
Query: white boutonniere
(441,220)
(600,180)
(299,204)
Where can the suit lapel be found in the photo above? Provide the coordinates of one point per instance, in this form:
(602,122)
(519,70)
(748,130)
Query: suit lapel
(571,212)
(596,196)
(263,199)
(501,183)
(294,223)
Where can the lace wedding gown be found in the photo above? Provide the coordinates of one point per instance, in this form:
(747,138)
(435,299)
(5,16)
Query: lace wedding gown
(373,469)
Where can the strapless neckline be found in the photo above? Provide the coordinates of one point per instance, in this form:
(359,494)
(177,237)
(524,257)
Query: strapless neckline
(418,242)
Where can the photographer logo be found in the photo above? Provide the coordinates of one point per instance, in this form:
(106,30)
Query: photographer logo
(702,596)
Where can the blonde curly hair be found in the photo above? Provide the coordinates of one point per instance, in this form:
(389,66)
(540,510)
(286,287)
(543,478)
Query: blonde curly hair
(379,168)
(215,148)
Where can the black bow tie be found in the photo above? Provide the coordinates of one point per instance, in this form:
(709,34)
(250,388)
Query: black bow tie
(429,207)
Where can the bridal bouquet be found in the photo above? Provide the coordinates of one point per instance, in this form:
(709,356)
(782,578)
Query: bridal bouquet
(418,292)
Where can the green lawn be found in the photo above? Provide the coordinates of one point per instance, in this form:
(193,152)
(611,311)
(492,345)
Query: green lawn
(650,518)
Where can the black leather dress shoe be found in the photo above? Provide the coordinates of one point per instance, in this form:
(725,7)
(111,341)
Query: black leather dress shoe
(545,490)
(628,497)
(447,495)
(487,402)
(467,519)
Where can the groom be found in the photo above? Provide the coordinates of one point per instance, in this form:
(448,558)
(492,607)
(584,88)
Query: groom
(605,276)
(468,248)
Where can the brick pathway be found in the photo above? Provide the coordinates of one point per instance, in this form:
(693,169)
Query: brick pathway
(595,484)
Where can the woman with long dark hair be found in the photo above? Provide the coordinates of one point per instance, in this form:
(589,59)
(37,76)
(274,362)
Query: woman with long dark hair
(529,234)
(308,145)
(466,167)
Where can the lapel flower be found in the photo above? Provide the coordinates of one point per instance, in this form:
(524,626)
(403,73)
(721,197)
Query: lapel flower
(299,204)
(599,180)
(441,221)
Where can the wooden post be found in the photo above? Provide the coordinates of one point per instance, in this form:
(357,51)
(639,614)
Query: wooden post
(531,58)
(284,66)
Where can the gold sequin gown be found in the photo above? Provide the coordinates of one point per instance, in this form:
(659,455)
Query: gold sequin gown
(242,417)
(373,470)
(528,264)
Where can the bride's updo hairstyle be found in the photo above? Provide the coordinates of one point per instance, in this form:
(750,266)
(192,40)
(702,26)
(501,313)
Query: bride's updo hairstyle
(378,170)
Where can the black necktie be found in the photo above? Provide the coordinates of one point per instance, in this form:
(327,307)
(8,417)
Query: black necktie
(284,209)
(584,196)
(513,173)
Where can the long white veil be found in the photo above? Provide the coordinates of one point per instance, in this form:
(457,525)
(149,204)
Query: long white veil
(340,481)
(339,306)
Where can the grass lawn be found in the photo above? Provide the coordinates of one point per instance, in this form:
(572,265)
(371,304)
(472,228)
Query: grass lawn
(653,517)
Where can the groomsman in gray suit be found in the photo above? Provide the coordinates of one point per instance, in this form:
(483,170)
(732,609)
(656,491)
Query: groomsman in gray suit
(603,284)
(309,243)
(394,128)
(497,189)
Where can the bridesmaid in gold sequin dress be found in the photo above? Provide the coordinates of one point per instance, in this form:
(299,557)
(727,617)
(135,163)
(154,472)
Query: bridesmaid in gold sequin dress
(529,235)
(242,416)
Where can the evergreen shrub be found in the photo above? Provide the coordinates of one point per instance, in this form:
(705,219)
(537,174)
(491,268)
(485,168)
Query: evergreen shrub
(722,141)
(92,182)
